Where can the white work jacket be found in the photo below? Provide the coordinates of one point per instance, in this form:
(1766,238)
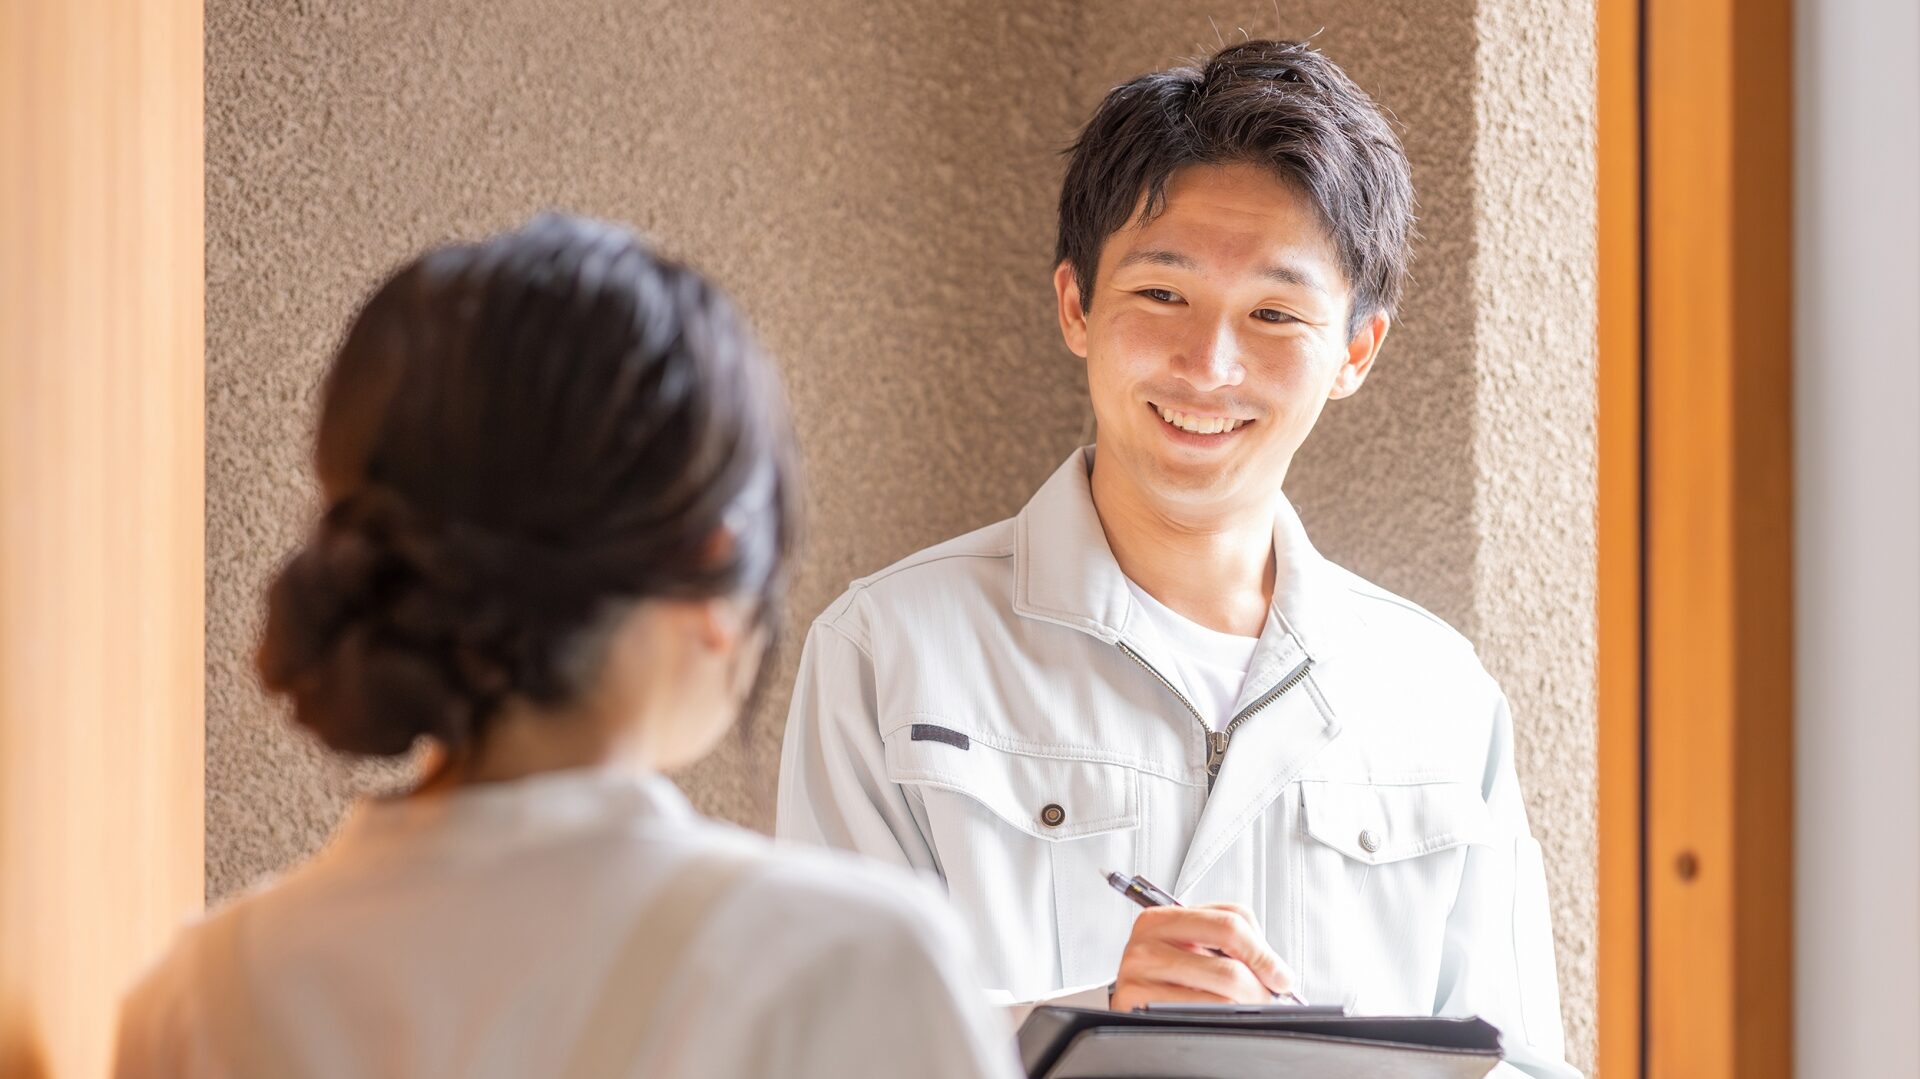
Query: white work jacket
(995,710)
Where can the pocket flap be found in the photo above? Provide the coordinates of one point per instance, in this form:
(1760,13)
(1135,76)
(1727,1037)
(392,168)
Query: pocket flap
(1048,797)
(1377,824)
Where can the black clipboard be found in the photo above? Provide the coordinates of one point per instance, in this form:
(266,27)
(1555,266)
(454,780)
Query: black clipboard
(1082,1043)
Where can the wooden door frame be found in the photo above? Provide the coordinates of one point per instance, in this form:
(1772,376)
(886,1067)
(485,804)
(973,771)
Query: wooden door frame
(1618,540)
(1695,528)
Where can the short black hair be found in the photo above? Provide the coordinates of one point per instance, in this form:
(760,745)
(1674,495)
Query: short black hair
(1281,105)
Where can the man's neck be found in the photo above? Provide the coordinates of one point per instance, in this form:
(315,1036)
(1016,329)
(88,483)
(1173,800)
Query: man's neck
(1214,569)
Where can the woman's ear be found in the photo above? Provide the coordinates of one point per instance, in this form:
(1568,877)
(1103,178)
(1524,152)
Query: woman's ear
(719,623)
(1073,313)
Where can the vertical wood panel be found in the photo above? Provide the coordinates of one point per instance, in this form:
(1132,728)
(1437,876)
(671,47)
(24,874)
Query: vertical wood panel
(101,512)
(1689,604)
(1762,378)
(1618,523)
(1719,689)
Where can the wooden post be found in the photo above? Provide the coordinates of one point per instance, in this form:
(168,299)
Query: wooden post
(1718,530)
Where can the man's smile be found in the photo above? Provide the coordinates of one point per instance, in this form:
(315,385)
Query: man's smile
(1197,427)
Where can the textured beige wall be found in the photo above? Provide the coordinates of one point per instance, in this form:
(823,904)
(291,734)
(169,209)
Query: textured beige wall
(1534,291)
(876,182)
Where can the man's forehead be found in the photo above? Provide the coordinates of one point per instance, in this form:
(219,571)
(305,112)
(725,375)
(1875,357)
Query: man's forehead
(1237,213)
(1279,269)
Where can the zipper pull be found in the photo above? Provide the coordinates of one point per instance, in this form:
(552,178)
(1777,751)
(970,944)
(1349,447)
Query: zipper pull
(1216,751)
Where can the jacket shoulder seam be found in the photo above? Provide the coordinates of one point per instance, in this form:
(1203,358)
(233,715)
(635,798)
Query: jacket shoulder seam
(1380,595)
(841,608)
(833,624)
(914,562)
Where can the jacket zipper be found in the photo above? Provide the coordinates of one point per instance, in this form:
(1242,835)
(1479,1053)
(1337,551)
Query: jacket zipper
(1217,741)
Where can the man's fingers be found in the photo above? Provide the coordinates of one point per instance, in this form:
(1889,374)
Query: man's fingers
(1168,963)
(1230,929)
(1215,949)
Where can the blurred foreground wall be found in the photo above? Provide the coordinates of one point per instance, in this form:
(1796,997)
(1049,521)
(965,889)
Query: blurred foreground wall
(101,523)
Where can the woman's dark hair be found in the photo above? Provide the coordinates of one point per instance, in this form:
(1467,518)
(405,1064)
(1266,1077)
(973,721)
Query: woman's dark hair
(1277,104)
(518,439)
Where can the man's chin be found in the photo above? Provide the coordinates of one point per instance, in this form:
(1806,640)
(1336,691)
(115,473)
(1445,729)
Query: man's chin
(1172,477)
(1179,480)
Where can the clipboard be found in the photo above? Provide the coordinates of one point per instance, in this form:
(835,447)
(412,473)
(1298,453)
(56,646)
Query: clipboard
(1082,1043)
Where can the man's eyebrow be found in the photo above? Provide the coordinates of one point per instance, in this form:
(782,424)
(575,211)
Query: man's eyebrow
(1156,256)
(1293,275)
(1282,272)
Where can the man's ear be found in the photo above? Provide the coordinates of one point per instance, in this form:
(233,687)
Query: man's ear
(1361,350)
(1073,314)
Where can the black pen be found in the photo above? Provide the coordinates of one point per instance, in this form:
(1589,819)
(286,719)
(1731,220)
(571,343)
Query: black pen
(1147,894)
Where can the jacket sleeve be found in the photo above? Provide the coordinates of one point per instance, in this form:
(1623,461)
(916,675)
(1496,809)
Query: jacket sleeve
(834,788)
(1498,953)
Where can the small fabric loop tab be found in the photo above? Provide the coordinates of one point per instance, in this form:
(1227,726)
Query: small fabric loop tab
(927,732)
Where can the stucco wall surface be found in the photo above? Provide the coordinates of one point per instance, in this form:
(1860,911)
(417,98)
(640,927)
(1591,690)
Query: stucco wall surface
(1535,440)
(875,182)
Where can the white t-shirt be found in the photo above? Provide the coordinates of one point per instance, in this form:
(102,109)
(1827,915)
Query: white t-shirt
(471,934)
(1208,665)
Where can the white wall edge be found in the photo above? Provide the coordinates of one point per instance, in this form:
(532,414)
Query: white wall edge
(1857,538)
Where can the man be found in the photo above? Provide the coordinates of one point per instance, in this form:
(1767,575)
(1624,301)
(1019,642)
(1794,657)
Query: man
(1150,669)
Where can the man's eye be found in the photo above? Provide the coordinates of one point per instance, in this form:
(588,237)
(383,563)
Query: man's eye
(1268,314)
(1159,295)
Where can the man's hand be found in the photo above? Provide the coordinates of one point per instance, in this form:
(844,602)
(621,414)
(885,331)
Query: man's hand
(1214,954)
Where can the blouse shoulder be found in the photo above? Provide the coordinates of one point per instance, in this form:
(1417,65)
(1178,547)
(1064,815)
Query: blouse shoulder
(164,1027)
(840,892)
(161,1032)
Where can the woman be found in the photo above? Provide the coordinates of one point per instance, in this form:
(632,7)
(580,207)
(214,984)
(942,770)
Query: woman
(561,501)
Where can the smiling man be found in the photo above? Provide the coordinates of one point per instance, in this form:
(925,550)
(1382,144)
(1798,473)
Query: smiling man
(1150,669)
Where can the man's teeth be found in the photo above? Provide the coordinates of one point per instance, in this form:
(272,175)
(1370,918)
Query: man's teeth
(1199,425)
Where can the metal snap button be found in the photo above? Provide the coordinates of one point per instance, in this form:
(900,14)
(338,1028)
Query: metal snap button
(1368,841)
(1052,815)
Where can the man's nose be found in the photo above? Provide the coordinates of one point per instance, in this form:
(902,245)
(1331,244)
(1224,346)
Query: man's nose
(1211,359)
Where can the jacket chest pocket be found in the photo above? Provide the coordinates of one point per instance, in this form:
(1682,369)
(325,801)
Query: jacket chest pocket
(1024,840)
(1379,872)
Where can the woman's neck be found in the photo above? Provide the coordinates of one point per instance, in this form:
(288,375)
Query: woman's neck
(521,742)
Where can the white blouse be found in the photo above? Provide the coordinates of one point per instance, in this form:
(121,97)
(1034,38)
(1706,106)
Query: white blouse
(470,935)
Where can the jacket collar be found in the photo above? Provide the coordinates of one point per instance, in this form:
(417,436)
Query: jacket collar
(1066,573)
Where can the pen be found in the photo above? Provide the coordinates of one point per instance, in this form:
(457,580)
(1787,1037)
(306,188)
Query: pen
(1147,894)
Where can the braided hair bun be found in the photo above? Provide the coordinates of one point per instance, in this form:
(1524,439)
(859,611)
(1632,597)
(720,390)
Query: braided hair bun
(519,439)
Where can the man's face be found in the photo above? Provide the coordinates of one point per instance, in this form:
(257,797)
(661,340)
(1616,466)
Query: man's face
(1216,334)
